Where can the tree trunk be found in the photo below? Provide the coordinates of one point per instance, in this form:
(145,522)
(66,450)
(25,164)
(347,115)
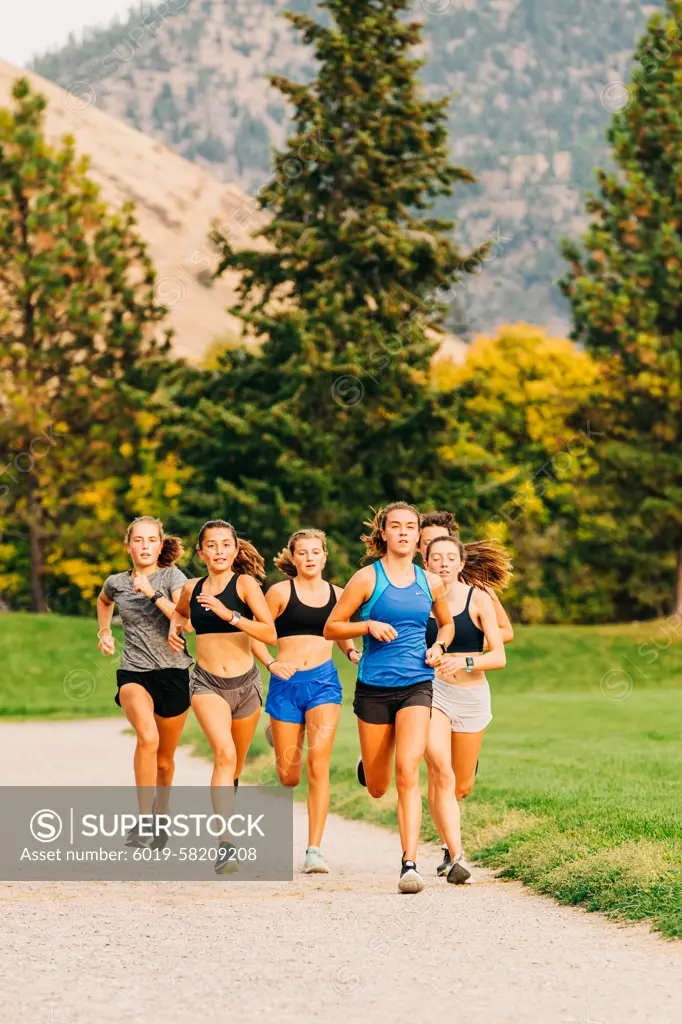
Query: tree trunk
(678,583)
(36,549)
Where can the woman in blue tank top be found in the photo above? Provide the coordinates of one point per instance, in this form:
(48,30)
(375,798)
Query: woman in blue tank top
(395,674)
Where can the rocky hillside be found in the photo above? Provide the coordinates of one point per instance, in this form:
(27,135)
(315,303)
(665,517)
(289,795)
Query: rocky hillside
(527,116)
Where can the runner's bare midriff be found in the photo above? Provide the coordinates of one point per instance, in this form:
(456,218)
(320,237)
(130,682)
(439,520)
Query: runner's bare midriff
(305,652)
(224,654)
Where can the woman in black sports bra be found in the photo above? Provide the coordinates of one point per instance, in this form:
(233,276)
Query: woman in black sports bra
(460,710)
(305,691)
(228,610)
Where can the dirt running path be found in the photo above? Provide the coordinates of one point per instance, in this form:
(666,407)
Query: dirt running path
(342,948)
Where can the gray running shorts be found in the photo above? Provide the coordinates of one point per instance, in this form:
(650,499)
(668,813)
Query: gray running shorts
(243,693)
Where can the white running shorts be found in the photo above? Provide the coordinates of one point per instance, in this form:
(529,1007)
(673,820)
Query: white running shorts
(467,707)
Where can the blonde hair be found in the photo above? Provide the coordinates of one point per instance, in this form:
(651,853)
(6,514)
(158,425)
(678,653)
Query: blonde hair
(374,542)
(171,547)
(284,561)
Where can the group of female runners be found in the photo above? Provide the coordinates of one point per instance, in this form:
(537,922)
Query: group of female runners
(429,634)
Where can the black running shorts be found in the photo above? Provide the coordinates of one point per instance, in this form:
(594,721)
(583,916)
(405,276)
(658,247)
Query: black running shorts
(167,687)
(378,705)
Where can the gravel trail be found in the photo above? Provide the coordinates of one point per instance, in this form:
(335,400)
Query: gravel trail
(339,948)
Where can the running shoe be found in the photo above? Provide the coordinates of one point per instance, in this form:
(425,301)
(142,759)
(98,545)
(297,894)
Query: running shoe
(460,871)
(360,772)
(443,868)
(133,837)
(268,735)
(223,864)
(315,864)
(410,879)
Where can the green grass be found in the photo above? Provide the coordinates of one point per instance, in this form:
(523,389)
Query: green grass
(579,792)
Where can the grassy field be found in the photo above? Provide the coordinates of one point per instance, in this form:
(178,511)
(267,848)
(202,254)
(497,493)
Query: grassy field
(579,792)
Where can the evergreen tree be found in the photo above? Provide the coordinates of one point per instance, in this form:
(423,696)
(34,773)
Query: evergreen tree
(625,288)
(335,411)
(77,314)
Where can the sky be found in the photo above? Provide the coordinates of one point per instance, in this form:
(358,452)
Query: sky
(29,27)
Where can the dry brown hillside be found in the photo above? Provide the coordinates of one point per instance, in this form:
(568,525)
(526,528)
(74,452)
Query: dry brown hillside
(175,200)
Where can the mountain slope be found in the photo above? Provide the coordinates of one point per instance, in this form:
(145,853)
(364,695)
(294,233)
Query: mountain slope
(175,201)
(527,119)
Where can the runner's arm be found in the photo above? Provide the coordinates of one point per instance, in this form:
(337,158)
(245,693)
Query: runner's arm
(495,657)
(503,620)
(358,590)
(180,618)
(274,601)
(105,613)
(347,647)
(261,626)
(441,612)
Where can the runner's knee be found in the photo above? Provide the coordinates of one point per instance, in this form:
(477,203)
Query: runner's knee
(317,766)
(442,775)
(225,757)
(289,775)
(406,774)
(164,762)
(148,739)
(463,789)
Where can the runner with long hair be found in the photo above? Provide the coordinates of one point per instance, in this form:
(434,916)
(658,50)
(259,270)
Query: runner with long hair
(442,523)
(461,693)
(227,610)
(153,682)
(395,675)
(304,696)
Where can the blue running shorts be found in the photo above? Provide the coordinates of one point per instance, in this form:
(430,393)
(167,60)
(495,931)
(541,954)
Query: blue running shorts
(289,699)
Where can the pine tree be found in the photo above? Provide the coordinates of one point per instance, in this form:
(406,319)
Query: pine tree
(335,411)
(77,316)
(625,289)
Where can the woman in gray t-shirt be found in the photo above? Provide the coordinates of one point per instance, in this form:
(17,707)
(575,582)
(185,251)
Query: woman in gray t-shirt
(153,681)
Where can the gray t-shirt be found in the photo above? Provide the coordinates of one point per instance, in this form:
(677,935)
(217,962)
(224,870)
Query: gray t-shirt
(145,626)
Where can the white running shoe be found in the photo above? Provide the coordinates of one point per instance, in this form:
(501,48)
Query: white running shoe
(315,864)
(410,879)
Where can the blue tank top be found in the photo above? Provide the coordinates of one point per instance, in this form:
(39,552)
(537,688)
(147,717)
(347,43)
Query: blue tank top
(398,662)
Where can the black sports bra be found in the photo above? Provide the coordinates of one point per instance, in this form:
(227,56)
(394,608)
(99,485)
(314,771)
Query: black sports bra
(299,619)
(206,621)
(469,639)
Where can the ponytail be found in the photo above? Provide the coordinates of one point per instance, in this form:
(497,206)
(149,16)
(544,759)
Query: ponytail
(374,542)
(485,563)
(171,551)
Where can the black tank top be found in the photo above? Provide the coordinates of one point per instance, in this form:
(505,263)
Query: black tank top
(469,639)
(206,621)
(300,619)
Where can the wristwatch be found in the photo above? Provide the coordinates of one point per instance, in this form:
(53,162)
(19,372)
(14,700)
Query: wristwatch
(442,645)
(235,618)
(156,595)
(470,663)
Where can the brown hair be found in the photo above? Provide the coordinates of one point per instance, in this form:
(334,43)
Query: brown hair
(171,547)
(375,543)
(247,560)
(284,561)
(485,563)
(441,518)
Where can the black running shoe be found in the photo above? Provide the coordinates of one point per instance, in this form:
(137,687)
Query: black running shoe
(360,772)
(224,864)
(410,879)
(459,871)
(443,868)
